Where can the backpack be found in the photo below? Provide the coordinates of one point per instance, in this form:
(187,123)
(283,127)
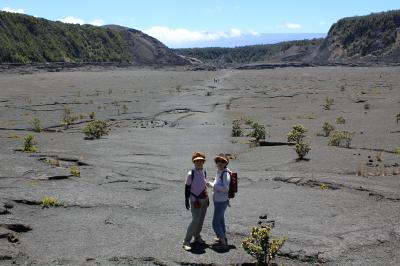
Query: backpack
(233,185)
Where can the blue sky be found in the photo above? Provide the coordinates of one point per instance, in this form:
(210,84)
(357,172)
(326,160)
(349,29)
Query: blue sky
(180,23)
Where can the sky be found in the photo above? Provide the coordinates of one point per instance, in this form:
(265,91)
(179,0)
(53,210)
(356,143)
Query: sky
(190,23)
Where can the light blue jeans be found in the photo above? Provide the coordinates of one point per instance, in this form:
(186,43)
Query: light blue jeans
(218,221)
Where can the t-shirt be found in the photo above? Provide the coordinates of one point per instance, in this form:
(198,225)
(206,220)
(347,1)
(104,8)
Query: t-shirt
(198,184)
(221,186)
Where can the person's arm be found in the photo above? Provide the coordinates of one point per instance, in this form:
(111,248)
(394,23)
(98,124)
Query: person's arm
(224,187)
(187,189)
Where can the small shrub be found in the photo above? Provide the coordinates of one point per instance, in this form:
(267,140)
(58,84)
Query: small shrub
(323,186)
(311,116)
(340,120)
(95,129)
(53,162)
(37,125)
(48,202)
(124,109)
(302,149)
(341,138)
(397,118)
(258,131)
(29,144)
(68,118)
(261,245)
(248,121)
(327,128)
(92,115)
(297,134)
(328,103)
(237,130)
(397,150)
(75,171)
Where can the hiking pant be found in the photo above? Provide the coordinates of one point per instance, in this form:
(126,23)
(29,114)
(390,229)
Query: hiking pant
(196,224)
(218,221)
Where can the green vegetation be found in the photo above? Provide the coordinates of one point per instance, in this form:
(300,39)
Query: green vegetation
(297,135)
(237,130)
(95,129)
(258,131)
(261,245)
(124,109)
(328,103)
(37,125)
(327,128)
(92,115)
(26,39)
(67,118)
(75,171)
(340,120)
(48,202)
(373,34)
(341,138)
(397,150)
(30,144)
(244,54)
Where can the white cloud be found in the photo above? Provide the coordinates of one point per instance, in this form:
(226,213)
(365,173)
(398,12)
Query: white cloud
(181,35)
(11,10)
(292,26)
(97,22)
(72,20)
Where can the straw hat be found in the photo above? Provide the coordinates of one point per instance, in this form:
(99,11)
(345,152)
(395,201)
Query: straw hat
(196,156)
(222,157)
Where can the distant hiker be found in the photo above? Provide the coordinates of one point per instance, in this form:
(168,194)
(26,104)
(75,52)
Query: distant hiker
(196,199)
(220,187)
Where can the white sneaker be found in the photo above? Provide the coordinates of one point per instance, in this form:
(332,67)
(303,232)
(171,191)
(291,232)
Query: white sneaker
(186,247)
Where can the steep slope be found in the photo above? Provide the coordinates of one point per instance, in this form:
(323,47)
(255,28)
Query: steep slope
(371,38)
(26,39)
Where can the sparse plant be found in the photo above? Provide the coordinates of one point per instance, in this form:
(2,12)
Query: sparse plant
(311,116)
(29,144)
(323,186)
(297,135)
(340,120)
(82,116)
(48,202)
(178,88)
(237,130)
(67,117)
(379,156)
(341,138)
(248,121)
(124,109)
(302,149)
(258,131)
(397,150)
(92,115)
(328,103)
(75,171)
(37,125)
(397,118)
(95,129)
(261,245)
(327,128)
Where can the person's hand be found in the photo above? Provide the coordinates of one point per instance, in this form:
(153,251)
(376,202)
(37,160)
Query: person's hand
(187,204)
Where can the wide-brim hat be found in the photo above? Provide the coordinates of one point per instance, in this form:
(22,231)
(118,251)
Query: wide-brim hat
(222,157)
(198,156)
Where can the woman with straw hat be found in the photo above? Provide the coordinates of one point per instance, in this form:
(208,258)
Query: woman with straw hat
(220,187)
(196,199)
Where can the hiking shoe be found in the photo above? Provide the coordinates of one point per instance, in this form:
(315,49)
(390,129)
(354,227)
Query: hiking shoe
(186,247)
(217,240)
(199,241)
